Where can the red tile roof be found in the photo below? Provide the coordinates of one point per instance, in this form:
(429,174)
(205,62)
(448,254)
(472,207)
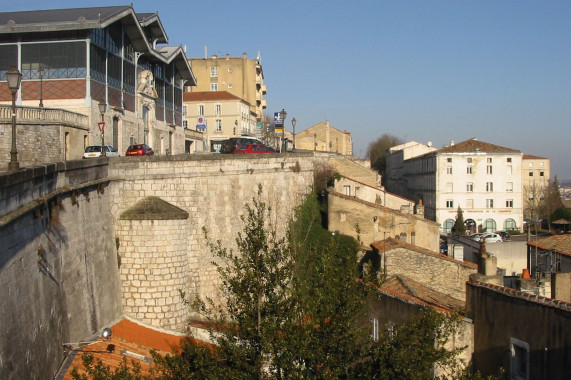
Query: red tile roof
(127,337)
(532,157)
(559,243)
(208,96)
(473,145)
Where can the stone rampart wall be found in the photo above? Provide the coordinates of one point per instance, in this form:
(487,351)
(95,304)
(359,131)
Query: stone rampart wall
(213,190)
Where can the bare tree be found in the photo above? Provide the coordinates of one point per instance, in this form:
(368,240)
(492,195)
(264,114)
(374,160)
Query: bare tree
(533,195)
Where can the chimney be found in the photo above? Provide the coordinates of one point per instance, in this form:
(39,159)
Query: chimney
(525,283)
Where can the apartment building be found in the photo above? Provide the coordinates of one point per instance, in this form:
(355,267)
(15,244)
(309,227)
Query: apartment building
(240,76)
(219,115)
(77,59)
(481,178)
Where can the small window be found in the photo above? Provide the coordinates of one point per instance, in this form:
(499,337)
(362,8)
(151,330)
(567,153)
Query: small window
(229,69)
(509,159)
(519,361)
(531,174)
(469,170)
(510,186)
(509,203)
(469,187)
(449,170)
(183,110)
(449,204)
(218,125)
(375,329)
(449,159)
(469,160)
(450,187)
(184,124)
(530,164)
(509,170)
(218,110)
(347,190)
(201,110)
(489,169)
(213,86)
(214,71)
(541,174)
(469,203)
(541,164)
(489,160)
(489,203)
(489,187)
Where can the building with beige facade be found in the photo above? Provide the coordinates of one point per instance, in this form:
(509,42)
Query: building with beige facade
(240,76)
(483,179)
(217,115)
(325,138)
(535,174)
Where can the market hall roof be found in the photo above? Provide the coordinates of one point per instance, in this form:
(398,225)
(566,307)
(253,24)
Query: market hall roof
(136,26)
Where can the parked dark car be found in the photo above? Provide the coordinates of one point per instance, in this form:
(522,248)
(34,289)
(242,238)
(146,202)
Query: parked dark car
(254,149)
(139,150)
(505,236)
(232,143)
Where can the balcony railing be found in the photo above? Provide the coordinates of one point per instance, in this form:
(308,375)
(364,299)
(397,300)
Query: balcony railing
(35,115)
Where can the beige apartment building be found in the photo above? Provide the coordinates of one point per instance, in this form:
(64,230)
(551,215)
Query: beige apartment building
(240,76)
(325,138)
(484,179)
(535,174)
(218,115)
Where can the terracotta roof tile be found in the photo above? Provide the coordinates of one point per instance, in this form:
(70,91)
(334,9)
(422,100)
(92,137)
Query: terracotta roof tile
(208,96)
(129,339)
(559,243)
(473,145)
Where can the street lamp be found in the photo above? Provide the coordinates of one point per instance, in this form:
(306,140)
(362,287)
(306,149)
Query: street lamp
(102,109)
(41,73)
(283,115)
(293,123)
(14,78)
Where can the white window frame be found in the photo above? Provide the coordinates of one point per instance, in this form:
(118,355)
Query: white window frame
(201,110)
(489,203)
(468,169)
(218,125)
(218,109)
(449,204)
(449,170)
(490,187)
(214,72)
(213,87)
(470,187)
(489,169)
(509,203)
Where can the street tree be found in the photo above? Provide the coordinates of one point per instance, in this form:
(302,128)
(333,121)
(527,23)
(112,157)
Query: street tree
(533,194)
(377,152)
(459,227)
(552,201)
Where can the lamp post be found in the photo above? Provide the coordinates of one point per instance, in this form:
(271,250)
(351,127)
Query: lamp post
(14,78)
(293,123)
(102,109)
(41,73)
(283,115)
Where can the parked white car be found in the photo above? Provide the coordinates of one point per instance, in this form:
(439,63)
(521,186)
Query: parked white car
(95,151)
(489,237)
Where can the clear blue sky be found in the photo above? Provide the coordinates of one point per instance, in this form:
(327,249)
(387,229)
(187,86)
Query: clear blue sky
(421,70)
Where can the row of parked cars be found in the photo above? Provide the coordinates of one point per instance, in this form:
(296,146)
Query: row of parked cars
(245,145)
(133,150)
(491,237)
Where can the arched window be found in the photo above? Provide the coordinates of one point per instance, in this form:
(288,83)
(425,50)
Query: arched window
(470,225)
(510,224)
(490,225)
(403,237)
(448,224)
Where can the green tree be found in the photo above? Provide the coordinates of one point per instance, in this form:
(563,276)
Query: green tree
(459,227)
(293,309)
(552,201)
(377,152)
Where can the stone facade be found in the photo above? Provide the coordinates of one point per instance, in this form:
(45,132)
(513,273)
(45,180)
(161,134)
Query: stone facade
(378,222)
(325,138)
(440,272)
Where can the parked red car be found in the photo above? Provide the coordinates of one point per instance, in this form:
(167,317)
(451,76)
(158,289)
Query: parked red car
(254,149)
(139,150)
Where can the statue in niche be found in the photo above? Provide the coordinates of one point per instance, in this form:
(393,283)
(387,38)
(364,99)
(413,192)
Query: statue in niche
(146,86)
